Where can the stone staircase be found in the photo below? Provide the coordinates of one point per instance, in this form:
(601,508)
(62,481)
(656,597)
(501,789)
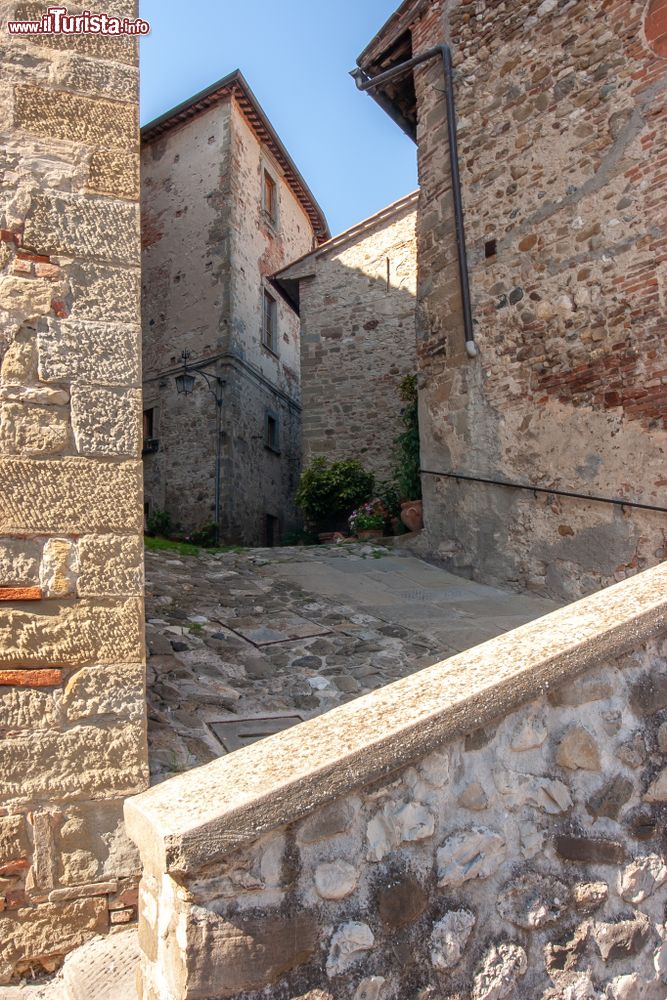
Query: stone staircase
(102,969)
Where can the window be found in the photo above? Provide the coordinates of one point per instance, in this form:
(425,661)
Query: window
(270,197)
(149,422)
(271,432)
(269,322)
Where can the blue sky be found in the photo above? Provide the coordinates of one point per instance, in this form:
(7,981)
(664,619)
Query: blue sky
(296,56)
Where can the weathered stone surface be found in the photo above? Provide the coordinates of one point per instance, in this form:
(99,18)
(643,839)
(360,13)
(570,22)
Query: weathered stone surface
(449,938)
(335,879)
(349,944)
(611,797)
(589,896)
(106,421)
(110,565)
(93,121)
(632,753)
(564,955)
(33,430)
(27,709)
(368,989)
(589,850)
(114,172)
(84,352)
(578,749)
(529,734)
(93,845)
(19,362)
(42,395)
(59,567)
(657,790)
(24,299)
(586,690)
(629,987)
(73,495)
(474,797)
(32,764)
(115,690)
(105,293)
(48,932)
(501,968)
(475,853)
(622,939)
(13,839)
(336,818)
(105,968)
(19,561)
(649,695)
(533,901)
(228,956)
(75,633)
(401,901)
(642,877)
(69,224)
(394,825)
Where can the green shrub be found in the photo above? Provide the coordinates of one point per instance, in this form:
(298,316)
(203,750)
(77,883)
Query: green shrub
(206,536)
(328,491)
(408,479)
(299,537)
(159,523)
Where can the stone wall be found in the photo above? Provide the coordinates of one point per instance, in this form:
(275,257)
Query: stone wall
(492,826)
(357,308)
(72,727)
(561,110)
(207,247)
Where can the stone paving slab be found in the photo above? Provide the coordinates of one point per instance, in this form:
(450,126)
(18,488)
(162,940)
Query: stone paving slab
(297,631)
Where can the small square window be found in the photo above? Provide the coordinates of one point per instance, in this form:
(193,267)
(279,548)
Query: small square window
(271,432)
(269,322)
(270,197)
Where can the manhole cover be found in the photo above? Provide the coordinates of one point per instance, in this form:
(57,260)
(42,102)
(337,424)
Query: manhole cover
(240,733)
(284,628)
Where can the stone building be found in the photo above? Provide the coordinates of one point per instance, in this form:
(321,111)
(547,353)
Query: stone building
(72,702)
(562,143)
(355,296)
(223,207)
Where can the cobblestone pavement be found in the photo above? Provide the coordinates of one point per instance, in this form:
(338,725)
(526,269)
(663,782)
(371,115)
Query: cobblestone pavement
(289,633)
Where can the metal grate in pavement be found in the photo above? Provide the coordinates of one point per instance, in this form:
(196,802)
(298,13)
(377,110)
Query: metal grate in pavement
(239,733)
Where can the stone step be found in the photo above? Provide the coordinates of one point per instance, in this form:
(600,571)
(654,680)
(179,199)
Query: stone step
(103,969)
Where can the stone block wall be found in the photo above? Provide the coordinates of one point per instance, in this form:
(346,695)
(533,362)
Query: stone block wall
(561,113)
(72,727)
(357,308)
(492,826)
(208,247)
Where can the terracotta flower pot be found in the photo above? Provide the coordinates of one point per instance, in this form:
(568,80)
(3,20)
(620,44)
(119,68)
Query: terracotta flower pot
(368,534)
(412,514)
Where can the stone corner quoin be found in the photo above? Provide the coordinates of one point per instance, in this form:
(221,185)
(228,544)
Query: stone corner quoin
(72,706)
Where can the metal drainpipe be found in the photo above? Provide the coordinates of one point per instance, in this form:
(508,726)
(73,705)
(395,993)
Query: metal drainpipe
(367,83)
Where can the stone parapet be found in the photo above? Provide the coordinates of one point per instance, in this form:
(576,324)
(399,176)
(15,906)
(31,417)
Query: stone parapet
(491,822)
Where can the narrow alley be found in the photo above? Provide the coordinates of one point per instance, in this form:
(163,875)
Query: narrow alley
(244,643)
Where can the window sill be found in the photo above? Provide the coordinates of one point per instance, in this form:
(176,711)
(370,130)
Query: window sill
(268,350)
(274,451)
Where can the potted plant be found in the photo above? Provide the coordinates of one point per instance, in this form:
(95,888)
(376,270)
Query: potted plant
(329,490)
(408,476)
(368,521)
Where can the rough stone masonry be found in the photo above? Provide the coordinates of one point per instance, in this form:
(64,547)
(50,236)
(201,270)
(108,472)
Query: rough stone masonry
(355,296)
(563,150)
(72,730)
(492,826)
